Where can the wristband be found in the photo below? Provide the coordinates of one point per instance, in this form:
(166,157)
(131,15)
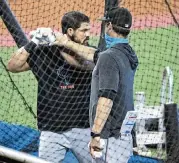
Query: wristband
(93,135)
(30,47)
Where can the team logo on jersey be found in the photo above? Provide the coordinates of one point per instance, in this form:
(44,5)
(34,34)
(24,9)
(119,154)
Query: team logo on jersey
(65,77)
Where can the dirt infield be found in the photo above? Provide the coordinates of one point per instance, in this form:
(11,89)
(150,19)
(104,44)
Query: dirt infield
(32,14)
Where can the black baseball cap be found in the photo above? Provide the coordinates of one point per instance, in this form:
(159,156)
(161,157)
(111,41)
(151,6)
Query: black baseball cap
(119,16)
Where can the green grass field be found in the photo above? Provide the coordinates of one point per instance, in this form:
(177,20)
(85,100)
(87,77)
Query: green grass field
(156,49)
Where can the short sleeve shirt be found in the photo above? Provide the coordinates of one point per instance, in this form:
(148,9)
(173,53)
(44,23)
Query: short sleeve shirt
(63,91)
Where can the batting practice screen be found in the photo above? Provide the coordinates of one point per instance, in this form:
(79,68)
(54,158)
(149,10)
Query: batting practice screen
(38,118)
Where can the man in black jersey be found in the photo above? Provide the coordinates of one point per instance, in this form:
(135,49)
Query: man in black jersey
(63,91)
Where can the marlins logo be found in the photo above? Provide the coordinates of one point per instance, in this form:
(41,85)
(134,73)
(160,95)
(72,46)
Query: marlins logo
(65,77)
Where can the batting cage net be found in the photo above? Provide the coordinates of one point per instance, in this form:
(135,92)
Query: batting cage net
(60,87)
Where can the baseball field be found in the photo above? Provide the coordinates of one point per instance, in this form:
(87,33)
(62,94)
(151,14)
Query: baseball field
(156,49)
(154,37)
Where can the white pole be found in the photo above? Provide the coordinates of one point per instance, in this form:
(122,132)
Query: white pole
(20,156)
(140,123)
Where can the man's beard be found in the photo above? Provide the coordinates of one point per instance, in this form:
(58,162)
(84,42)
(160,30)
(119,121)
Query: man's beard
(85,42)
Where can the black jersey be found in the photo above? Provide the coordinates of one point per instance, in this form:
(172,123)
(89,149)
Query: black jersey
(63,91)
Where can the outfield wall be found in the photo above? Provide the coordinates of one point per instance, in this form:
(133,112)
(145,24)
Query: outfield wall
(47,13)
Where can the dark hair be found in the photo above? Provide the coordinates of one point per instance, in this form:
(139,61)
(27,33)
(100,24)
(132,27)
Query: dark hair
(73,19)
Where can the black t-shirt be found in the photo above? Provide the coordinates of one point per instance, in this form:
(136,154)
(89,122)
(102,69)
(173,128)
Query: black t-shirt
(63,91)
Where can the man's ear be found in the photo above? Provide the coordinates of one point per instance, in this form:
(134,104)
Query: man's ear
(70,31)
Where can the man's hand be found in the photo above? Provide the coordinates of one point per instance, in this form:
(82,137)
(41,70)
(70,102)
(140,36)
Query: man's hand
(61,39)
(42,35)
(96,146)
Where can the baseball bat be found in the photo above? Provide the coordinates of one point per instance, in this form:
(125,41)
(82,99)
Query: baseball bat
(12,24)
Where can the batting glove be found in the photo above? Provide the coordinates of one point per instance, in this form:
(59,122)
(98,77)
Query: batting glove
(42,36)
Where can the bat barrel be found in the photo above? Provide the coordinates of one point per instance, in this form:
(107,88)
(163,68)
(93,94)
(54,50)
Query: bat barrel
(12,24)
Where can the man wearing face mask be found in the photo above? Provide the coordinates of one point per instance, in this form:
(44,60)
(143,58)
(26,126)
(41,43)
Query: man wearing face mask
(112,88)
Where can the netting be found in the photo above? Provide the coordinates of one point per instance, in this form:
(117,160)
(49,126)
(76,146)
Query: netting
(154,37)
